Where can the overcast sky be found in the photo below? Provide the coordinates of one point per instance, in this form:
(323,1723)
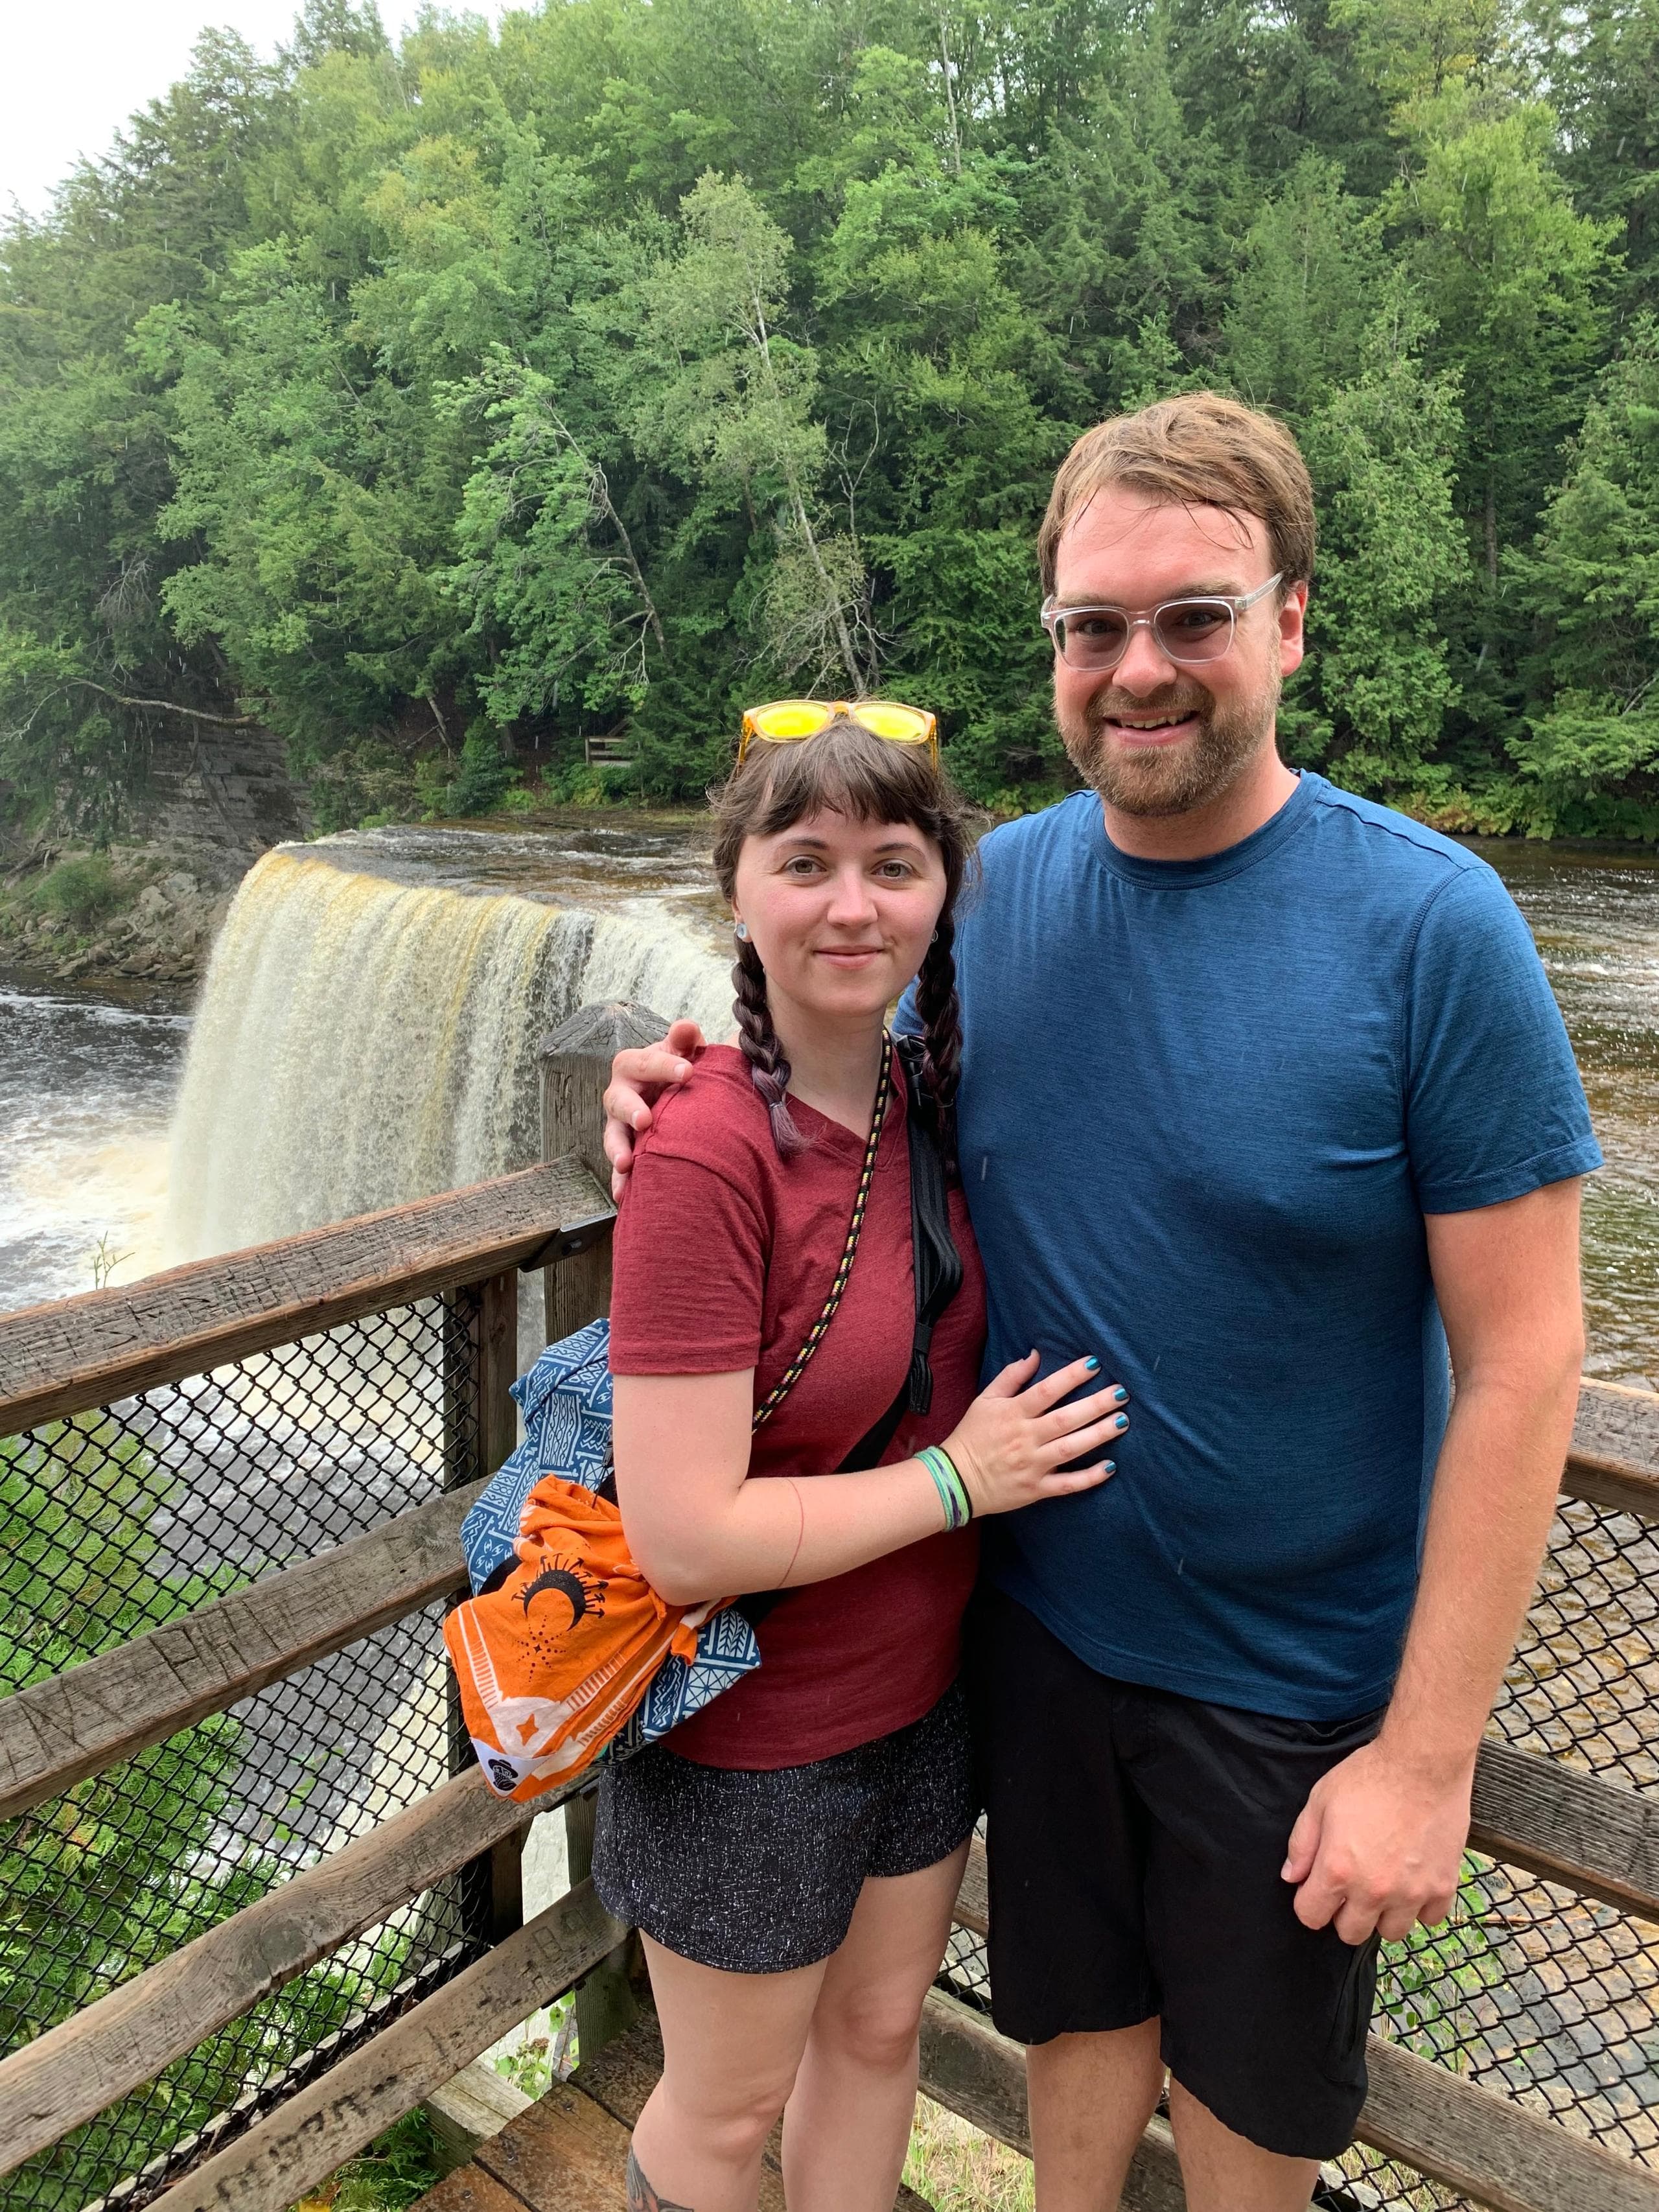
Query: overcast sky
(72,71)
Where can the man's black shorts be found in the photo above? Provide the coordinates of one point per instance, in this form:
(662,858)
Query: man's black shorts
(1136,1840)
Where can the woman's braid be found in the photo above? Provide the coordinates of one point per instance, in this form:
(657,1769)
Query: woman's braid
(768,1070)
(936,1002)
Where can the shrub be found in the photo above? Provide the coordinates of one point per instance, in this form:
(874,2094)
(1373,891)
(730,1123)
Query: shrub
(81,891)
(400,2166)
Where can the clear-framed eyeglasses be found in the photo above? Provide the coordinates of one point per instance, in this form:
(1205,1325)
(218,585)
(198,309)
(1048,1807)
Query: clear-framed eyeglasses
(1187,631)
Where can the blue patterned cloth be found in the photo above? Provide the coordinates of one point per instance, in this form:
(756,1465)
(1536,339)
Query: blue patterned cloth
(566,1402)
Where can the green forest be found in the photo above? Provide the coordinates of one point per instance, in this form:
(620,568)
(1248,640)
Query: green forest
(444,407)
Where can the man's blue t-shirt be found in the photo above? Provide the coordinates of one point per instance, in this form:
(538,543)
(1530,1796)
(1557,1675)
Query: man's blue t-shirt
(1205,1106)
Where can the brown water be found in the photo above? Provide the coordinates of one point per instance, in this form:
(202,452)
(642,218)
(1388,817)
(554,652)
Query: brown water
(650,868)
(1594,914)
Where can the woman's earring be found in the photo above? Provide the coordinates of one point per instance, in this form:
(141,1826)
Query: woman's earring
(740,930)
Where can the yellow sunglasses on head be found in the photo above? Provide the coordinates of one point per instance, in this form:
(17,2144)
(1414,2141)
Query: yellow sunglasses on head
(789,721)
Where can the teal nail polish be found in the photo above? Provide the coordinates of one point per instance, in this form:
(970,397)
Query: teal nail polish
(1111,1467)
(1123,1421)
(1093,1366)
(1120,1397)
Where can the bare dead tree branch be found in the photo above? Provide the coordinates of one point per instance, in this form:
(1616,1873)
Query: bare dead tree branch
(163,705)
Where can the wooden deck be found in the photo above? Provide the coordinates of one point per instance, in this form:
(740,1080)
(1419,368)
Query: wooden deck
(568,2152)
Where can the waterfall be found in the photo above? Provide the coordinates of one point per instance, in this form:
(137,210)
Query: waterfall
(360,1042)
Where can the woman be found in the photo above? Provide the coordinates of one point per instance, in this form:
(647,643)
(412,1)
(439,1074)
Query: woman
(792,1854)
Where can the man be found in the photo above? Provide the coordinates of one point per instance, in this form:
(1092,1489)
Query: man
(1265,1101)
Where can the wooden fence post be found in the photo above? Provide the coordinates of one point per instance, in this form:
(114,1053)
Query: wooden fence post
(482,1426)
(576,1069)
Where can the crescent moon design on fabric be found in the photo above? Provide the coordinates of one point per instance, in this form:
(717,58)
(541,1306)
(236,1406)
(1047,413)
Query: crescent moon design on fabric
(558,1578)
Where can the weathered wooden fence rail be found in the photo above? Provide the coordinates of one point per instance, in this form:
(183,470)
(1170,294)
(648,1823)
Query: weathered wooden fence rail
(1592,1838)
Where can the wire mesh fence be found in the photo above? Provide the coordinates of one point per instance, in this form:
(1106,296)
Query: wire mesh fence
(1530,1990)
(1553,1997)
(114,1521)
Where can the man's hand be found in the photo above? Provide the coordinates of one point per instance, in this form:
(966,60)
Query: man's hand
(1379,1846)
(636,1077)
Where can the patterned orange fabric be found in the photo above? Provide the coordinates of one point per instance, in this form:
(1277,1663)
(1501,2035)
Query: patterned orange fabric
(553,1661)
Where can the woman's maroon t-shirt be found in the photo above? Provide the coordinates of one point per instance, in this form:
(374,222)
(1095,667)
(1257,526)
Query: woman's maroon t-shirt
(724,1254)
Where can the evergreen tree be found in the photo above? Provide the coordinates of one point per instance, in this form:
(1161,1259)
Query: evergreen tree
(1382,449)
(1592,752)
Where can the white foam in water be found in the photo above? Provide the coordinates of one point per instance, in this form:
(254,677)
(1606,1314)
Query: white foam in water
(362,1043)
(85,1092)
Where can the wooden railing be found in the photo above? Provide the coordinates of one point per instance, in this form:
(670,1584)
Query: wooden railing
(82,1353)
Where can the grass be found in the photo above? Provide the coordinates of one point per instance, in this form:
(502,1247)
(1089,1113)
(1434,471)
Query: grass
(957,2169)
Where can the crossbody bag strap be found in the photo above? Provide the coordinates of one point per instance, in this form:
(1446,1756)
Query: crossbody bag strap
(939,1275)
(797,1367)
(936,1262)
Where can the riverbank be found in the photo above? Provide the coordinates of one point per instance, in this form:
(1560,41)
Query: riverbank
(129,914)
(148,911)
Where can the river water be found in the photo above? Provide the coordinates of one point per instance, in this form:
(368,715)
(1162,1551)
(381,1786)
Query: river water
(1595,918)
(87,1082)
(86,1085)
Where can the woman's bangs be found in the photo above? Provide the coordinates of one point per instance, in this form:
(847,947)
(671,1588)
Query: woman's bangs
(846,770)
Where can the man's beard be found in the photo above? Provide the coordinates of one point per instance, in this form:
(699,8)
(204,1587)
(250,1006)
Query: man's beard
(1156,781)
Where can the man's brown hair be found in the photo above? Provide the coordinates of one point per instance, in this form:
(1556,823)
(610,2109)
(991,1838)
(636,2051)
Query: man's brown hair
(1198,449)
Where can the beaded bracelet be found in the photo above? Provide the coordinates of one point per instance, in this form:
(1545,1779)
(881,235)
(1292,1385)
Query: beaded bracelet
(952,1491)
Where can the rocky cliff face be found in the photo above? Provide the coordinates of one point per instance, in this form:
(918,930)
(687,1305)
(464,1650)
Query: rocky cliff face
(214,803)
(148,908)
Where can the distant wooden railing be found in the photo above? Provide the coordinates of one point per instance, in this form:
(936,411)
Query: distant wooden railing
(614,750)
(81,1353)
